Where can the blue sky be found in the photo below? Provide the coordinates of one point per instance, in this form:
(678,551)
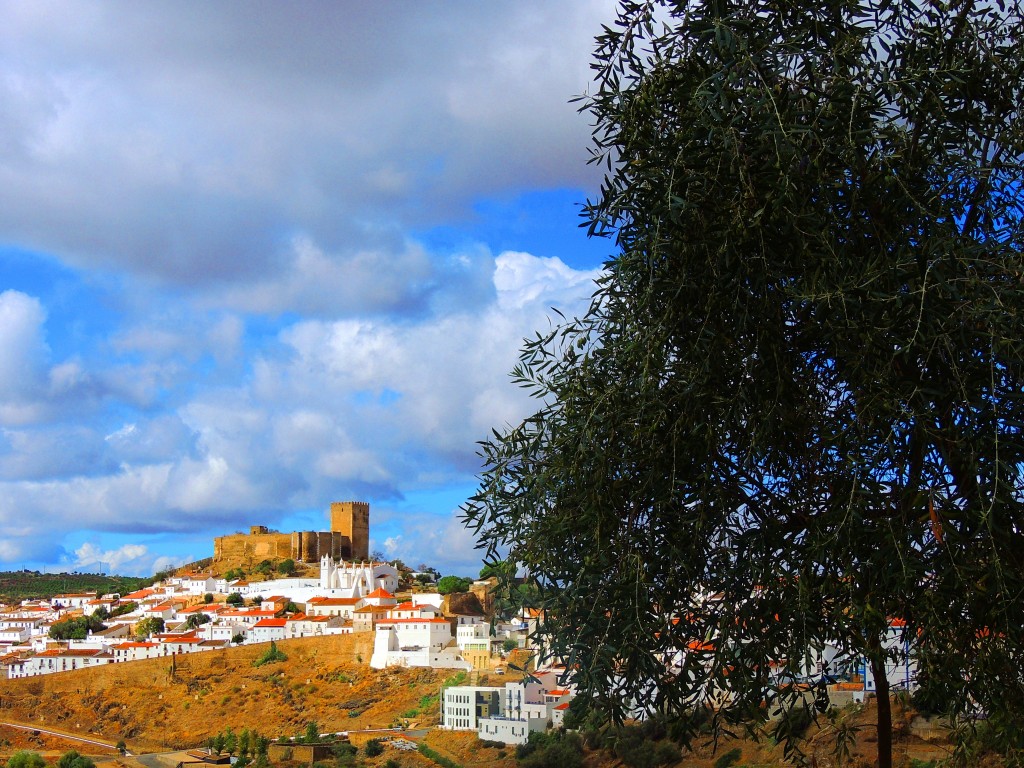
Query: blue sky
(257,257)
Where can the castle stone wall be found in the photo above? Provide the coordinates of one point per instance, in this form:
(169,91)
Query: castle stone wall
(349,538)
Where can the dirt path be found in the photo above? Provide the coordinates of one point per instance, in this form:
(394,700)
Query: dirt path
(61,734)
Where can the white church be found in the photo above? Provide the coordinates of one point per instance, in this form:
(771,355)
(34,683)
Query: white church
(341,579)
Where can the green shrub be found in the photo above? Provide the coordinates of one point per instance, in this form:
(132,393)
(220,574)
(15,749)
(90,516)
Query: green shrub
(26,758)
(374,747)
(272,654)
(438,758)
(729,758)
(72,759)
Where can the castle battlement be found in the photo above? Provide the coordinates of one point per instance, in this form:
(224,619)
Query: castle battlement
(348,539)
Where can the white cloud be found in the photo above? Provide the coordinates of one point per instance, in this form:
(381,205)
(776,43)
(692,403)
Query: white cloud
(346,408)
(126,560)
(187,144)
(23,356)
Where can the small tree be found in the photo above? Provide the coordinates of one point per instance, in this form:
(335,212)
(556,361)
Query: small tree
(72,759)
(312,734)
(208,598)
(196,619)
(286,567)
(25,758)
(149,626)
(235,598)
(449,584)
(374,747)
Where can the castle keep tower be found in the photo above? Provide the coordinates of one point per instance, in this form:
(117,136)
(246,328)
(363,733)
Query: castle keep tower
(352,520)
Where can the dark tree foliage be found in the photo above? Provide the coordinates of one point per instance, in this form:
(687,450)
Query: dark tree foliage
(449,584)
(72,759)
(794,410)
(76,628)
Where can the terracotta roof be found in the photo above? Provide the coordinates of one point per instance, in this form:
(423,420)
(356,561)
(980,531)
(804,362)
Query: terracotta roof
(380,592)
(271,623)
(318,601)
(563,705)
(139,594)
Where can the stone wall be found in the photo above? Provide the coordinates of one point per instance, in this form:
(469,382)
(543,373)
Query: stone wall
(348,539)
(248,549)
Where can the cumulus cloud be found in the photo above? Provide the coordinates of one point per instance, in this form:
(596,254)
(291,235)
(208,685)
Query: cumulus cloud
(128,559)
(441,541)
(191,144)
(23,356)
(358,408)
(249,195)
(405,281)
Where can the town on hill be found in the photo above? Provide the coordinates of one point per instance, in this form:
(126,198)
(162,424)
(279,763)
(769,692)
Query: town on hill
(471,655)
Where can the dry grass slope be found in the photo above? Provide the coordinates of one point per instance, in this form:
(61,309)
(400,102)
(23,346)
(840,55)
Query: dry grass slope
(156,707)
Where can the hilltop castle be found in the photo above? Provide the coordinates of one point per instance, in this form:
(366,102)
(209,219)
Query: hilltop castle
(348,539)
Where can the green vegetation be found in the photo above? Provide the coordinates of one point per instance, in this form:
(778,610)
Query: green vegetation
(374,747)
(32,585)
(72,759)
(196,619)
(235,598)
(438,758)
(286,567)
(123,608)
(76,628)
(551,749)
(798,385)
(149,626)
(729,758)
(271,655)
(249,745)
(26,758)
(449,584)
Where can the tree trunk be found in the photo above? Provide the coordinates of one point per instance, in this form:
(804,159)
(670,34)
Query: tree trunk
(884,707)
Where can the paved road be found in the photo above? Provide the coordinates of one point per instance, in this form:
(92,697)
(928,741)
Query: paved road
(61,734)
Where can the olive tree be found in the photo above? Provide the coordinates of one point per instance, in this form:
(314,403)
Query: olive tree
(792,417)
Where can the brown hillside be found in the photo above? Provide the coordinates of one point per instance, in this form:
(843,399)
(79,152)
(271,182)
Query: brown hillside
(154,707)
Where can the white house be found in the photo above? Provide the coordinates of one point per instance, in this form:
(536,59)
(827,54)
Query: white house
(414,642)
(58,660)
(508,714)
(198,583)
(73,600)
(463,705)
(268,629)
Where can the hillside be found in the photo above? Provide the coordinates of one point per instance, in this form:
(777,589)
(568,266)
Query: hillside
(155,707)
(31,585)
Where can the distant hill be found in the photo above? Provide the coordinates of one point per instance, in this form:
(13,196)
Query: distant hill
(32,585)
